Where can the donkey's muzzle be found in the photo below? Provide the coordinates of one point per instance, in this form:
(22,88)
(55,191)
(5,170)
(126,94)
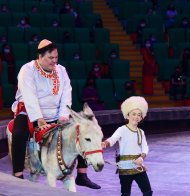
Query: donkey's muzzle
(99,167)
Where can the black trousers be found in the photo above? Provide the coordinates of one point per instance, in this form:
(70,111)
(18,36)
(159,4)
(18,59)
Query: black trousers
(140,178)
(20,136)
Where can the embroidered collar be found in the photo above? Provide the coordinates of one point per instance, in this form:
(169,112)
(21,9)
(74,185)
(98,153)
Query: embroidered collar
(139,135)
(132,129)
(53,76)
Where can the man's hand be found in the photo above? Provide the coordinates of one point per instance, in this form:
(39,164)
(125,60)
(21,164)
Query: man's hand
(42,124)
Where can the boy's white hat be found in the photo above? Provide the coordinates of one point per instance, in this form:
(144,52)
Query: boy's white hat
(132,103)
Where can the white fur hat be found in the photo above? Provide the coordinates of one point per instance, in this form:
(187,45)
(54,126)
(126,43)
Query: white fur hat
(132,103)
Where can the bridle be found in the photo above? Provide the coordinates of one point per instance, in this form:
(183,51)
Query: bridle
(84,153)
(65,169)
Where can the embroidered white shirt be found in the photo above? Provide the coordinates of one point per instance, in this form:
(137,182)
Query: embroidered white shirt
(128,141)
(35,91)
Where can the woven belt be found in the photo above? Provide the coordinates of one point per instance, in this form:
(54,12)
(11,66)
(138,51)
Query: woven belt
(130,171)
(128,157)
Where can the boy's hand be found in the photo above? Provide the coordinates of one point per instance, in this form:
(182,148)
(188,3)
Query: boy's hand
(138,161)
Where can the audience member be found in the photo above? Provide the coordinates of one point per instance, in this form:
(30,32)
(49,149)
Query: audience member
(184,23)
(112,57)
(24,23)
(8,57)
(99,23)
(152,39)
(34,39)
(127,91)
(171,14)
(96,71)
(55,23)
(34,9)
(3,39)
(67,37)
(142,24)
(129,88)
(90,95)
(66,8)
(4,8)
(185,56)
(150,67)
(76,56)
(177,85)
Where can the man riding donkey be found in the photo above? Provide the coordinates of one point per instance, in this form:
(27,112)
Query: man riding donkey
(44,91)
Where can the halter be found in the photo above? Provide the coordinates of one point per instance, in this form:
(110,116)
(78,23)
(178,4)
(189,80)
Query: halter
(84,154)
(65,169)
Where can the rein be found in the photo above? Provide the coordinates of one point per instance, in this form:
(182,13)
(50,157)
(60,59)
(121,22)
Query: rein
(84,154)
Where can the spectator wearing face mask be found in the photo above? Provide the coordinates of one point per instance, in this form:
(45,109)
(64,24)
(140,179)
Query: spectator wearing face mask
(67,37)
(76,56)
(4,8)
(184,23)
(66,8)
(171,14)
(3,39)
(184,58)
(149,66)
(23,23)
(90,95)
(34,9)
(142,24)
(55,24)
(34,39)
(96,71)
(152,39)
(8,57)
(177,84)
(112,57)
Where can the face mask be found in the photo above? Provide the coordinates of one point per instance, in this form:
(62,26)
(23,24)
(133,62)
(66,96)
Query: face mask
(113,56)
(96,69)
(67,7)
(148,45)
(143,25)
(22,22)
(76,57)
(7,50)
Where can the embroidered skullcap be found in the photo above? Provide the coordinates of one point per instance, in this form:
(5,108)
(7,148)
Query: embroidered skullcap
(132,103)
(44,43)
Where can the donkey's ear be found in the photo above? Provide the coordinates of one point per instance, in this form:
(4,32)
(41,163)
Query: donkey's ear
(74,114)
(87,110)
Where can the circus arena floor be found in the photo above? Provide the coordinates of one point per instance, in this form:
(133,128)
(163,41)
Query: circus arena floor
(168,169)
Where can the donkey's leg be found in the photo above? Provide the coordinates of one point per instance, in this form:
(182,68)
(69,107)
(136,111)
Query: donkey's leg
(51,179)
(69,183)
(9,136)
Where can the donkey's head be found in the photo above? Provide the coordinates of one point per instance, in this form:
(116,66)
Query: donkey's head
(89,137)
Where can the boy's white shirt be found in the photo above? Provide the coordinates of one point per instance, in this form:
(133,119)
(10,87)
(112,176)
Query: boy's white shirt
(128,141)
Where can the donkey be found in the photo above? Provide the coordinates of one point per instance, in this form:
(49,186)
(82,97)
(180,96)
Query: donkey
(82,136)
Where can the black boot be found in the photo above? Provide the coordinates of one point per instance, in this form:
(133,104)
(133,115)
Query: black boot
(21,176)
(83,180)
